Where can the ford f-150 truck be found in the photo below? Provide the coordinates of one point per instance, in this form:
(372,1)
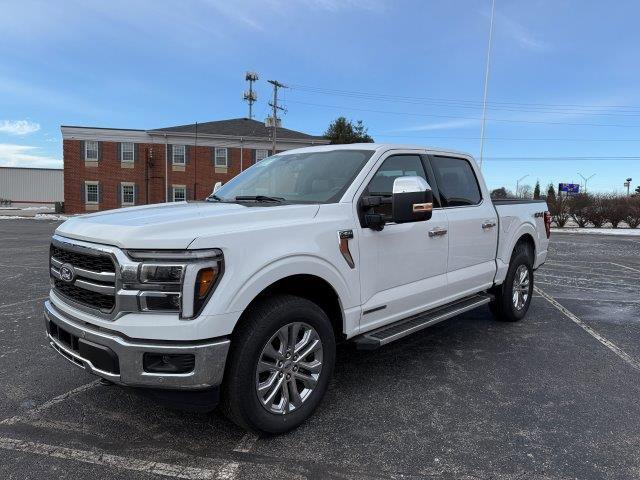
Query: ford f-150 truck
(246,294)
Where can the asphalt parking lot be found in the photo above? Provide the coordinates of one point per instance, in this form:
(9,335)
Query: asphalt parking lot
(554,396)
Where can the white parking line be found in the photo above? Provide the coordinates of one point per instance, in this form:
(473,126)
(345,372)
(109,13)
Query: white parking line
(50,403)
(246,443)
(227,471)
(624,266)
(590,280)
(39,299)
(603,340)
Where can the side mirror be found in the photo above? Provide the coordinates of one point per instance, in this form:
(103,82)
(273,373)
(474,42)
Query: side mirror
(412,200)
(217,186)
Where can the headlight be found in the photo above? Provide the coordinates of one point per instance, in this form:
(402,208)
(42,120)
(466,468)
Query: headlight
(175,280)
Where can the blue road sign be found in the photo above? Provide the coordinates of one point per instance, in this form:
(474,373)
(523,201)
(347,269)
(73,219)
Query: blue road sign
(569,188)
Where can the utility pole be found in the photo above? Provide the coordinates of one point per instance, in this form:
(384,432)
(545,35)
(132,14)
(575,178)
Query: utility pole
(250,96)
(274,105)
(586,180)
(486,83)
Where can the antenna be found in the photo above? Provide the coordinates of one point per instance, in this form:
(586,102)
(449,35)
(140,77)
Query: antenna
(250,96)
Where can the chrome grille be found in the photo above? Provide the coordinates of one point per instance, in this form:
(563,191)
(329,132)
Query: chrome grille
(94,280)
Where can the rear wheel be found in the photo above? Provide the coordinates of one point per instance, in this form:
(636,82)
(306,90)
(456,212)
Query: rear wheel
(280,364)
(513,297)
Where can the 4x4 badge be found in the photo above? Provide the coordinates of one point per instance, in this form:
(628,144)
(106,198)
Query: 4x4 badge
(67,273)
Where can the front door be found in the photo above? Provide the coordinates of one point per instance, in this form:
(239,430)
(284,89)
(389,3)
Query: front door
(403,267)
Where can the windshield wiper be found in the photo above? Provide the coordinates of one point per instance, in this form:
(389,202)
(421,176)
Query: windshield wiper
(214,197)
(259,198)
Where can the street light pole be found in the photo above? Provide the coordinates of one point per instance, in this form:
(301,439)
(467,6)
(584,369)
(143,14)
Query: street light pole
(518,183)
(586,180)
(628,185)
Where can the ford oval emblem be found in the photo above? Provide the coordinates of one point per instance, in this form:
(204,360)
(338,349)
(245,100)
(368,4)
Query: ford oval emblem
(67,273)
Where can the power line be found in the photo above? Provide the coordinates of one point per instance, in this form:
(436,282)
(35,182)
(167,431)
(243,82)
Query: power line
(509,138)
(558,158)
(388,112)
(450,101)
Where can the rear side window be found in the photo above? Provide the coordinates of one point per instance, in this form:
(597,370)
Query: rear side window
(456,181)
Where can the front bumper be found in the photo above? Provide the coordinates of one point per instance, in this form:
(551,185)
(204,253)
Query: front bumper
(120,360)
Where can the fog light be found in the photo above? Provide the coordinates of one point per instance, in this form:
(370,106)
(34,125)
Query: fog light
(160,301)
(168,362)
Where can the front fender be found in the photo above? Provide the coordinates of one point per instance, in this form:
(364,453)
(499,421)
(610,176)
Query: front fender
(288,266)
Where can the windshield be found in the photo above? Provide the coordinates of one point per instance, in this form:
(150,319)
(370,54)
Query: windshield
(313,177)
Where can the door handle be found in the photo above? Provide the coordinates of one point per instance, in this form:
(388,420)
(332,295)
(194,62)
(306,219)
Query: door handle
(488,224)
(437,232)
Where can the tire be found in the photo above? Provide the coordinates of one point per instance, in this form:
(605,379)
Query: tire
(263,325)
(506,306)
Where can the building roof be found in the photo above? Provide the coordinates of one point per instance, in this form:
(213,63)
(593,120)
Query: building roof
(236,127)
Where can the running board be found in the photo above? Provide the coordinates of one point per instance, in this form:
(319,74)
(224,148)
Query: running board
(400,329)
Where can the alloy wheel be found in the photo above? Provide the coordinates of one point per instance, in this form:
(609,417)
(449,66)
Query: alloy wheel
(289,368)
(520,290)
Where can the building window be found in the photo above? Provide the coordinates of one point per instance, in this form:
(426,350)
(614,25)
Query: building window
(221,157)
(91,192)
(178,155)
(126,152)
(261,154)
(127,193)
(91,151)
(179,193)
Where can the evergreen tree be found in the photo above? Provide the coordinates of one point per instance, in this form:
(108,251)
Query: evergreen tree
(342,130)
(536,191)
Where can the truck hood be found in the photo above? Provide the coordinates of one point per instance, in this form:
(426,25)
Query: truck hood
(176,225)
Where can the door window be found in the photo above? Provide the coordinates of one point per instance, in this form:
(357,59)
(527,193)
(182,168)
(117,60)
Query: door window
(381,185)
(457,182)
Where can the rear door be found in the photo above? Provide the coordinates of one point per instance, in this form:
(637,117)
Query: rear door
(473,225)
(403,267)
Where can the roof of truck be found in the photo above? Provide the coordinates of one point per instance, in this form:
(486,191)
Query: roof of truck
(377,146)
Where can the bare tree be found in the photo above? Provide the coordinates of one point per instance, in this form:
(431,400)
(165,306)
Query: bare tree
(579,209)
(559,209)
(632,217)
(615,209)
(524,191)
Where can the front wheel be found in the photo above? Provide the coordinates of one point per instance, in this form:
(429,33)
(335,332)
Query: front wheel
(280,364)
(513,297)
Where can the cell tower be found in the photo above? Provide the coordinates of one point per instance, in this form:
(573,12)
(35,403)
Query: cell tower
(250,96)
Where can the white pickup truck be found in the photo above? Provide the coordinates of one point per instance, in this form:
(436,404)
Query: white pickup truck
(244,295)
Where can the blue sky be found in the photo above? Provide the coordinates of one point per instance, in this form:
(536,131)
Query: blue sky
(564,75)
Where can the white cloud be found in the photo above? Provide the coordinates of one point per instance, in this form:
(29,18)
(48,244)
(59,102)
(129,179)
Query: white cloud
(518,32)
(450,124)
(25,156)
(18,127)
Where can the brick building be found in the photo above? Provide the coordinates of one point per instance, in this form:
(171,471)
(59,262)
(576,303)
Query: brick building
(108,168)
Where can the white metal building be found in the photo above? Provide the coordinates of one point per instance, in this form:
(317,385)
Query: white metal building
(24,186)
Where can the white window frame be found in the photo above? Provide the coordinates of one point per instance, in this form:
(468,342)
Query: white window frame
(178,187)
(133,193)
(183,154)
(86,150)
(261,151)
(225,156)
(122,152)
(86,193)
